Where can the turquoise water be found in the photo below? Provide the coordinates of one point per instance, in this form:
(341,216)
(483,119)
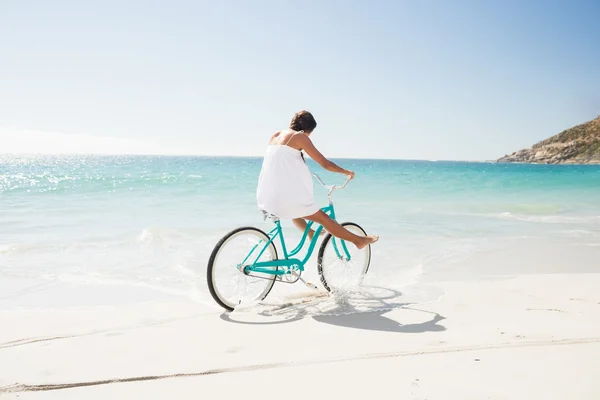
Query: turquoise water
(151,222)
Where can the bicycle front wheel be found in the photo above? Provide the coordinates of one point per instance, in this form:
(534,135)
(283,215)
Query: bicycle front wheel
(337,271)
(228,283)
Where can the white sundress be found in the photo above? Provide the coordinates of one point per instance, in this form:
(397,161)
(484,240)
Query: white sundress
(285,186)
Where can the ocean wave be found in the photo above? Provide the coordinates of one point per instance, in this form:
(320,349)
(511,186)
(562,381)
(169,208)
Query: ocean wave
(580,233)
(177,237)
(184,287)
(147,237)
(186,284)
(13,248)
(551,219)
(541,218)
(26,248)
(158,235)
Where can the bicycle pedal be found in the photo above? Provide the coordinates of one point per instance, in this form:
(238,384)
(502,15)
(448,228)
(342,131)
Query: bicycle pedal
(311,285)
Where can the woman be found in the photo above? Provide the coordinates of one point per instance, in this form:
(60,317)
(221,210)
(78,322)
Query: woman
(285,186)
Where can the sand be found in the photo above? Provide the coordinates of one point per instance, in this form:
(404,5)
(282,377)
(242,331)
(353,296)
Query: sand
(507,337)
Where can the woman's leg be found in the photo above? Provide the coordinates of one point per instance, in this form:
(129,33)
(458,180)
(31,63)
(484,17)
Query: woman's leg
(301,224)
(339,231)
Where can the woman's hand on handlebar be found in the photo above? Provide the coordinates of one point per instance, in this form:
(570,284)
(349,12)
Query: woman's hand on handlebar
(349,174)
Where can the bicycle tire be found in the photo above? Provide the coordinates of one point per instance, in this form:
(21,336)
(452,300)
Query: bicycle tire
(323,248)
(212,287)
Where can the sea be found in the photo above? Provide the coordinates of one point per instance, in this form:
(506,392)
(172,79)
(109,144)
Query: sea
(98,231)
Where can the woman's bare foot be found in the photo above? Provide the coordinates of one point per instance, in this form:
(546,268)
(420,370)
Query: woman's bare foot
(367,240)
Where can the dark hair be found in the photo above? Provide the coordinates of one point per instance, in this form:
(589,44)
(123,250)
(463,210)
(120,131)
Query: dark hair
(303,121)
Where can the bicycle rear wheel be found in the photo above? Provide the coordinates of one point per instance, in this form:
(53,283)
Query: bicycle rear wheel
(335,270)
(227,283)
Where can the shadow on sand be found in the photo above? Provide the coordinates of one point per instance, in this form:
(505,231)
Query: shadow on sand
(363,309)
(376,321)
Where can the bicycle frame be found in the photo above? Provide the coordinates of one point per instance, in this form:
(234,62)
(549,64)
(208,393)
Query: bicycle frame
(268,267)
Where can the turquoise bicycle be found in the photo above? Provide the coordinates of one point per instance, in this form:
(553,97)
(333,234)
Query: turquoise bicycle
(244,264)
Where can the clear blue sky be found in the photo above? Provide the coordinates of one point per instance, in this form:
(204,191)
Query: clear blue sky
(384,79)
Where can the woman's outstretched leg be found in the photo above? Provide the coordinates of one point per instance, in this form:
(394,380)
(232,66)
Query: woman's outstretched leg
(339,231)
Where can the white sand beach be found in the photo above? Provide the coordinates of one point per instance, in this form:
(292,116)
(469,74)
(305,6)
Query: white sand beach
(511,337)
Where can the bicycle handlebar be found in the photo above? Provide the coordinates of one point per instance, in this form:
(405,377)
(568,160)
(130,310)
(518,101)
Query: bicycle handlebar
(331,187)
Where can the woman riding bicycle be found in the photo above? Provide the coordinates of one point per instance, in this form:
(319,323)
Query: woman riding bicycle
(285,187)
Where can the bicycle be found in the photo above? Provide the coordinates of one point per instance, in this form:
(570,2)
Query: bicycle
(253,260)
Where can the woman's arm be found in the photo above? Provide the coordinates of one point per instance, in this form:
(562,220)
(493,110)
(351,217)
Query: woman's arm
(307,145)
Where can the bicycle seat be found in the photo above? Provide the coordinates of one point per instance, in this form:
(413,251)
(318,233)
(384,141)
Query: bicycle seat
(267,215)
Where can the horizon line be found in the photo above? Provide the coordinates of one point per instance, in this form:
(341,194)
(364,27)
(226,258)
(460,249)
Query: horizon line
(229,156)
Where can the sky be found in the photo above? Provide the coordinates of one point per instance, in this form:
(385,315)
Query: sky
(396,79)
